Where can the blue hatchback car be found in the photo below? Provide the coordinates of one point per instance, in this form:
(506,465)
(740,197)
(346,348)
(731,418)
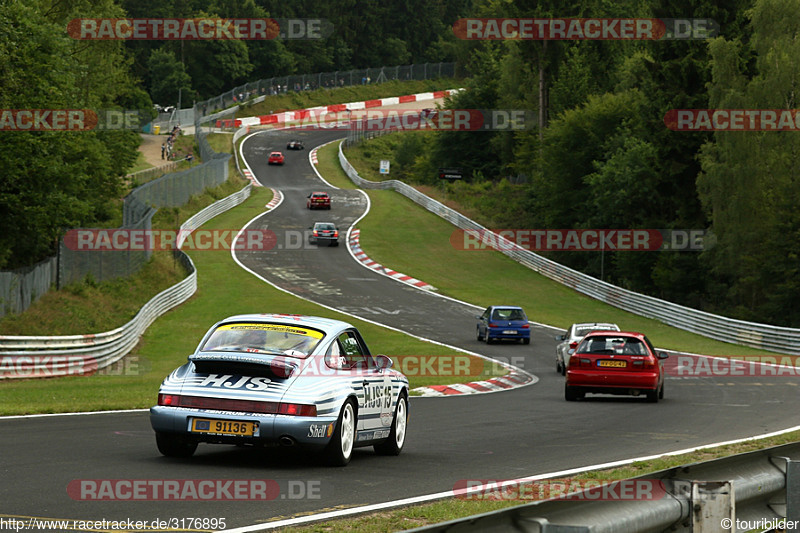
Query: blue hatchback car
(503,322)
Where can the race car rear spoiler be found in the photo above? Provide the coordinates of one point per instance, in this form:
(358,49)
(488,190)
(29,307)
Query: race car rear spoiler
(261,365)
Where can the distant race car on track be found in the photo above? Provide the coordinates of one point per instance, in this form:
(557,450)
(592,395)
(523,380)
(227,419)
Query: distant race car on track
(275,158)
(570,340)
(503,322)
(318,200)
(324,233)
(288,380)
(294,145)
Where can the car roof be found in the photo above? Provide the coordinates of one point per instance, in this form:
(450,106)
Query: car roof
(583,325)
(320,192)
(328,326)
(604,333)
(505,307)
(326,223)
(273,153)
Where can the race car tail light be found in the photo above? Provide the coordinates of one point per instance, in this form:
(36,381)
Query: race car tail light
(492,325)
(297,409)
(315,233)
(335,233)
(645,364)
(573,345)
(168,399)
(526,326)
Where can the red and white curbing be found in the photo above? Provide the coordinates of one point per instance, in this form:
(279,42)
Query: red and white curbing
(300,114)
(277,197)
(314,159)
(511,380)
(249,175)
(359,254)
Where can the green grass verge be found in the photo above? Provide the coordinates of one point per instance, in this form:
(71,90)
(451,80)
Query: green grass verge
(342,95)
(224,289)
(450,509)
(91,307)
(419,245)
(330,168)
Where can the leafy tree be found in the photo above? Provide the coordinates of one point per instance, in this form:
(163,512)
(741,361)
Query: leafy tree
(749,184)
(168,78)
(55,180)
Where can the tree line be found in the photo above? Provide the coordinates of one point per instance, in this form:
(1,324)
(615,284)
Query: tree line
(601,155)
(51,181)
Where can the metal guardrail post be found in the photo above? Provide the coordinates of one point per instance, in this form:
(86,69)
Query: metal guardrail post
(793,491)
(712,502)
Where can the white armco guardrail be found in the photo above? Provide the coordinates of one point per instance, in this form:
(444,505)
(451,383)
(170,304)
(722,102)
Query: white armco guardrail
(763,336)
(754,491)
(35,356)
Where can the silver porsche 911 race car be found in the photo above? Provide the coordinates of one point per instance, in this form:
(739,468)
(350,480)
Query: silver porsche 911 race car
(283,380)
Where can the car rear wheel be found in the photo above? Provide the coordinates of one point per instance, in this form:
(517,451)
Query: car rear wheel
(486,338)
(340,448)
(526,341)
(172,445)
(570,394)
(653,396)
(558,366)
(397,438)
(661,392)
(478,330)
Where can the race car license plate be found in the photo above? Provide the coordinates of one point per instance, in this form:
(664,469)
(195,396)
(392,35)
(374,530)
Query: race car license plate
(223,427)
(613,364)
(509,332)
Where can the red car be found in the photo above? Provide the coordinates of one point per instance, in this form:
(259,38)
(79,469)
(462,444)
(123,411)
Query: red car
(318,200)
(275,158)
(614,362)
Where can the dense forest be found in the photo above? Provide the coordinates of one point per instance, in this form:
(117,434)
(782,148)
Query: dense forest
(600,155)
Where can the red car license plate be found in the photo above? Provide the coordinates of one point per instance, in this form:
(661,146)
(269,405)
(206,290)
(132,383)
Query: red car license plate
(613,364)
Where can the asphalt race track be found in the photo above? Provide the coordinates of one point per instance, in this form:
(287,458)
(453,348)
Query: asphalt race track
(503,435)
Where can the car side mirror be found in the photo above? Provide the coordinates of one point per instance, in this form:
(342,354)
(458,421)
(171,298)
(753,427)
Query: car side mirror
(382,362)
(663,355)
(561,337)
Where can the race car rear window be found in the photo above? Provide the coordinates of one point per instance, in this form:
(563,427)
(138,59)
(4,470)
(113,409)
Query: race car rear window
(612,345)
(273,339)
